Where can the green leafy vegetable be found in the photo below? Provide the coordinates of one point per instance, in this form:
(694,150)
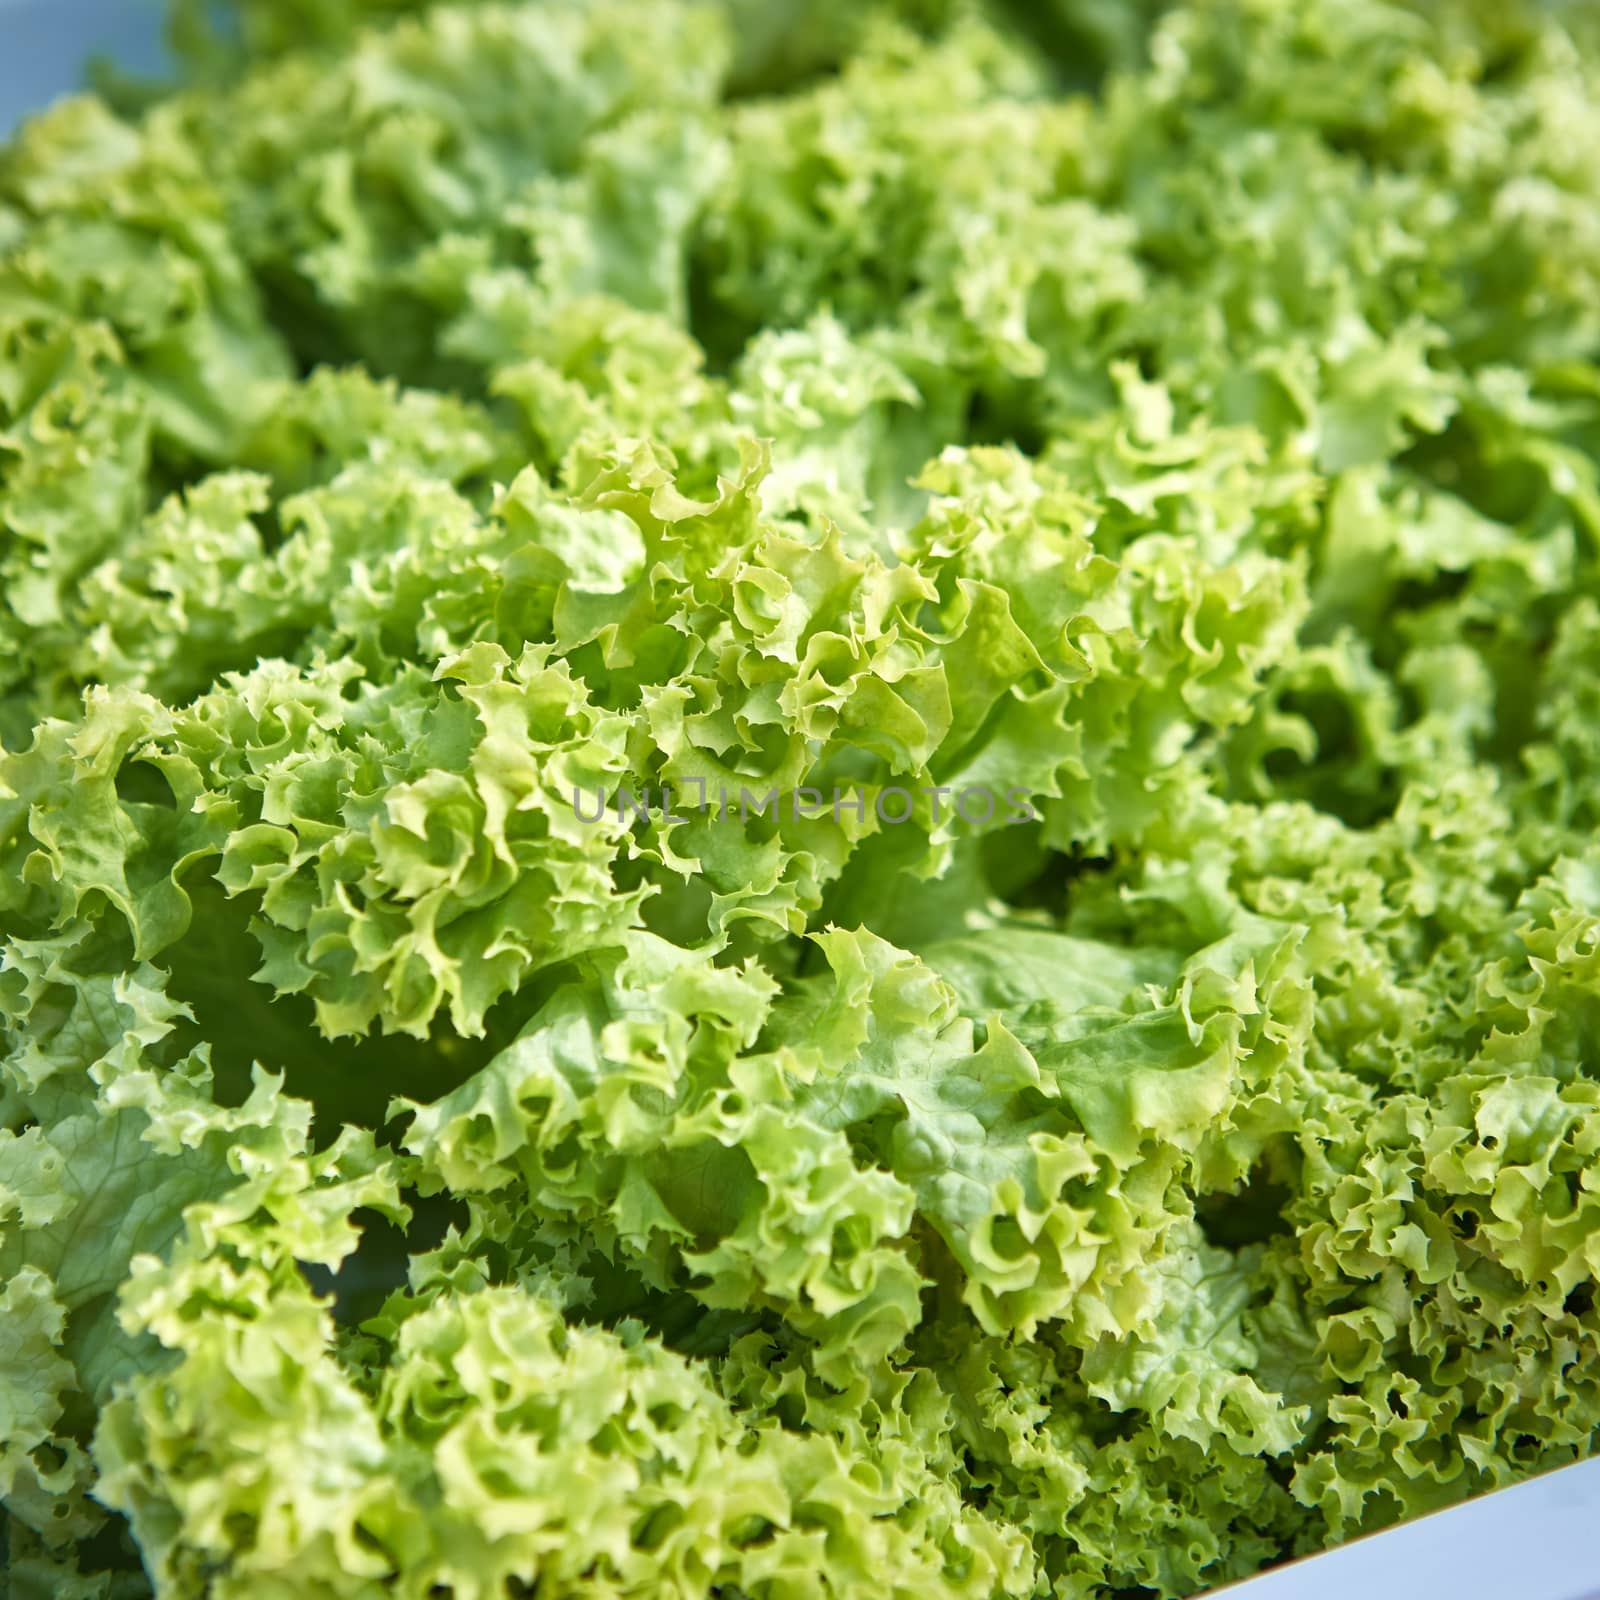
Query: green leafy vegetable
(797,800)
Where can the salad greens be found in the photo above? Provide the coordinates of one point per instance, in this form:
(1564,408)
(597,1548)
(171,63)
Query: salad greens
(426,417)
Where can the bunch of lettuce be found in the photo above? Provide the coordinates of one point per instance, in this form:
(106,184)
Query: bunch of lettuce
(428,414)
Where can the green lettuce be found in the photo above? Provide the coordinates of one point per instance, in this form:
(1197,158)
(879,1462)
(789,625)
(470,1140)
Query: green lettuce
(524,530)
